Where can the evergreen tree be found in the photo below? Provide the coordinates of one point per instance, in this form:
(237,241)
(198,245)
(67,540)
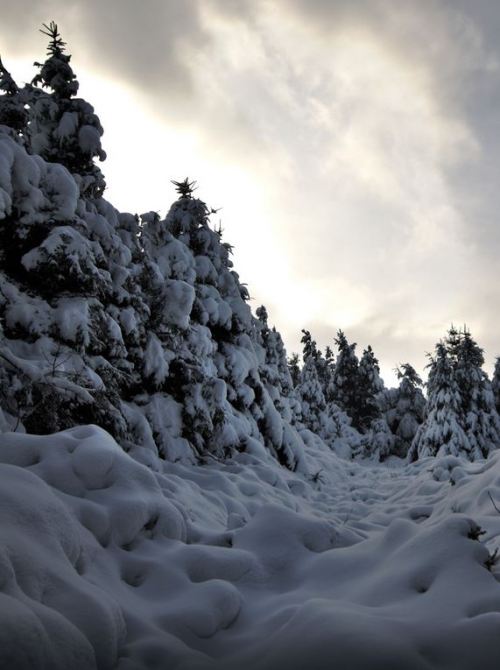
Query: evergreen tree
(495,384)
(12,102)
(310,393)
(329,357)
(309,349)
(325,418)
(184,188)
(309,389)
(378,441)
(294,368)
(468,406)
(344,384)
(275,369)
(64,129)
(480,419)
(404,408)
(56,72)
(441,432)
(370,386)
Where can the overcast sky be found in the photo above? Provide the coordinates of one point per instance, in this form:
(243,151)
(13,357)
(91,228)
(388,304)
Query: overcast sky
(354,147)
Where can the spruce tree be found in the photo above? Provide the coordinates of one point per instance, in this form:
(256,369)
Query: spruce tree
(495,384)
(344,383)
(294,368)
(370,386)
(311,396)
(441,432)
(378,441)
(64,129)
(275,369)
(480,419)
(309,389)
(467,407)
(12,102)
(309,348)
(329,357)
(404,408)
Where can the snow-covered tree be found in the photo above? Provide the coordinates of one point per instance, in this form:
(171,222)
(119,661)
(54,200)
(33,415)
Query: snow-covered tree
(461,417)
(309,389)
(480,419)
(329,368)
(370,385)
(441,432)
(404,408)
(311,396)
(294,368)
(495,384)
(275,370)
(325,418)
(378,441)
(12,102)
(64,129)
(344,383)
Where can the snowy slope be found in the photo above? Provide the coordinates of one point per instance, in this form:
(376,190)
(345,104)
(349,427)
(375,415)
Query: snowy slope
(107,562)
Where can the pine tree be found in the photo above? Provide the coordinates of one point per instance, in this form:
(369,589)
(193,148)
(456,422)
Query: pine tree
(442,432)
(309,349)
(370,386)
(185,188)
(495,384)
(311,396)
(329,357)
(404,408)
(64,129)
(344,384)
(467,422)
(275,369)
(12,102)
(294,368)
(221,366)
(309,389)
(378,441)
(480,419)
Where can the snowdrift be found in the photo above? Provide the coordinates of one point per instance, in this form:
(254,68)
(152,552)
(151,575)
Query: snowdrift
(109,562)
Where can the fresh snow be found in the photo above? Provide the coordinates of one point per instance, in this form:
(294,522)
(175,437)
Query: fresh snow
(114,561)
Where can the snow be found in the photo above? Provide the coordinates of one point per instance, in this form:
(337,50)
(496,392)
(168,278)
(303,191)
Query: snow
(179,297)
(47,190)
(108,562)
(155,365)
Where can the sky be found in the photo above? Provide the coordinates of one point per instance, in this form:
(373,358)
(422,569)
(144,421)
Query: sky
(353,148)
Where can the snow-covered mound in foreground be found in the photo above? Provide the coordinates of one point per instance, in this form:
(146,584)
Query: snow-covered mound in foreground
(106,562)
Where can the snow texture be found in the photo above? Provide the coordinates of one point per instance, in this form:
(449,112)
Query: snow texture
(106,562)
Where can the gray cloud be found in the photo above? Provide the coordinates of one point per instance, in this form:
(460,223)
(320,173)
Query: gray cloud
(364,137)
(142,43)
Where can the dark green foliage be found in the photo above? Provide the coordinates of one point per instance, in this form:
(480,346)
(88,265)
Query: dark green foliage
(56,72)
(185,188)
(12,102)
(404,408)
(294,368)
(369,386)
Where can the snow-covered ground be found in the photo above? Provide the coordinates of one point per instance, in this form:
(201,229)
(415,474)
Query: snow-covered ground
(107,562)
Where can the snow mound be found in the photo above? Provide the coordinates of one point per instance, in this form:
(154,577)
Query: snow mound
(108,563)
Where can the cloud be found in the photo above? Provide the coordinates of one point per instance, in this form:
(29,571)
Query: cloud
(354,147)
